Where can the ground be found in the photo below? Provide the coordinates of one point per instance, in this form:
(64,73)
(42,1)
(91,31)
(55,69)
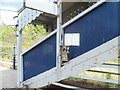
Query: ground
(8,78)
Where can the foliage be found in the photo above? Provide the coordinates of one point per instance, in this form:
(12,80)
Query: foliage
(7,35)
(31,35)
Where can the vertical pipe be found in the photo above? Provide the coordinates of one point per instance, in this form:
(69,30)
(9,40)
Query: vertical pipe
(50,27)
(19,62)
(59,30)
(14,59)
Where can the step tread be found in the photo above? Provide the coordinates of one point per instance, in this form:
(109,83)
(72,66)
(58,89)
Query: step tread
(67,86)
(109,66)
(98,79)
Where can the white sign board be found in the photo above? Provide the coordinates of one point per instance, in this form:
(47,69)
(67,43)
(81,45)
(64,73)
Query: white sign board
(72,39)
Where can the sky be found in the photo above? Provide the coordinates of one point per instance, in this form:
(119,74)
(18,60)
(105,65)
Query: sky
(8,9)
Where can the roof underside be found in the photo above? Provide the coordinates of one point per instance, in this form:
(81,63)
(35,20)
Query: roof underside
(69,9)
(38,17)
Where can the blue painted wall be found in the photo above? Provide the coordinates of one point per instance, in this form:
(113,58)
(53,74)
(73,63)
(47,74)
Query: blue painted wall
(40,59)
(95,28)
(119,18)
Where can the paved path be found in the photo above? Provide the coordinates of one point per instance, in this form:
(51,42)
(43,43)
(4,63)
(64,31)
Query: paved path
(8,78)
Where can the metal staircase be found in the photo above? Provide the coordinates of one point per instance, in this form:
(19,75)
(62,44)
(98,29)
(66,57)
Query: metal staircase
(38,63)
(102,69)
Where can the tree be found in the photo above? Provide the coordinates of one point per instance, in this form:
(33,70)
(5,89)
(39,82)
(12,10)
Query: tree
(31,35)
(7,35)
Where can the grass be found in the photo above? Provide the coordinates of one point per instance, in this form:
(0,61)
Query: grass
(93,83)
(6,64)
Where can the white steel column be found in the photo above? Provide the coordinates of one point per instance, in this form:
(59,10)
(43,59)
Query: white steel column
(59,42)
(19,62)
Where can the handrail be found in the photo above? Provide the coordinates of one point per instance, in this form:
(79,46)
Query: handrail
(68,23)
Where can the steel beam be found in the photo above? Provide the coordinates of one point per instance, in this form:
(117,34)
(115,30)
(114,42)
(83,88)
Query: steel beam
(59,29)
(98,79)
(19,62)
(103,72)
(110,66)
(67,86)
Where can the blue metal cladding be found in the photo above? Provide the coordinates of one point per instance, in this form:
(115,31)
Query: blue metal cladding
(40,59)
(95,28)
(119,18)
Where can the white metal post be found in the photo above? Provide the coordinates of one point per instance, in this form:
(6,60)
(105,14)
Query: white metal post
(19,62)
(59,32)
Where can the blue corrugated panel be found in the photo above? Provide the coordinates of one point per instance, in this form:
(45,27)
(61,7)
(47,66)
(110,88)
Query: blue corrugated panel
(95,28)
(40,59)
(119,18)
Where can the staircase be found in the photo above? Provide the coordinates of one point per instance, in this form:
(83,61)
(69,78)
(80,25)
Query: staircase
(107,72)
(99,42)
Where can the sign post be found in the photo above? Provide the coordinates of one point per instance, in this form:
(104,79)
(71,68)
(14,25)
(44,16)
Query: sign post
(14,58)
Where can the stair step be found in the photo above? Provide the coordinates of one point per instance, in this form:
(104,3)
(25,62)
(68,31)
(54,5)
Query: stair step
(98,79)
(103,72)
(110,66)
(67,86)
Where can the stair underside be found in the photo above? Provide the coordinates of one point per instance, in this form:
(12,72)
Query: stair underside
(93,58)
